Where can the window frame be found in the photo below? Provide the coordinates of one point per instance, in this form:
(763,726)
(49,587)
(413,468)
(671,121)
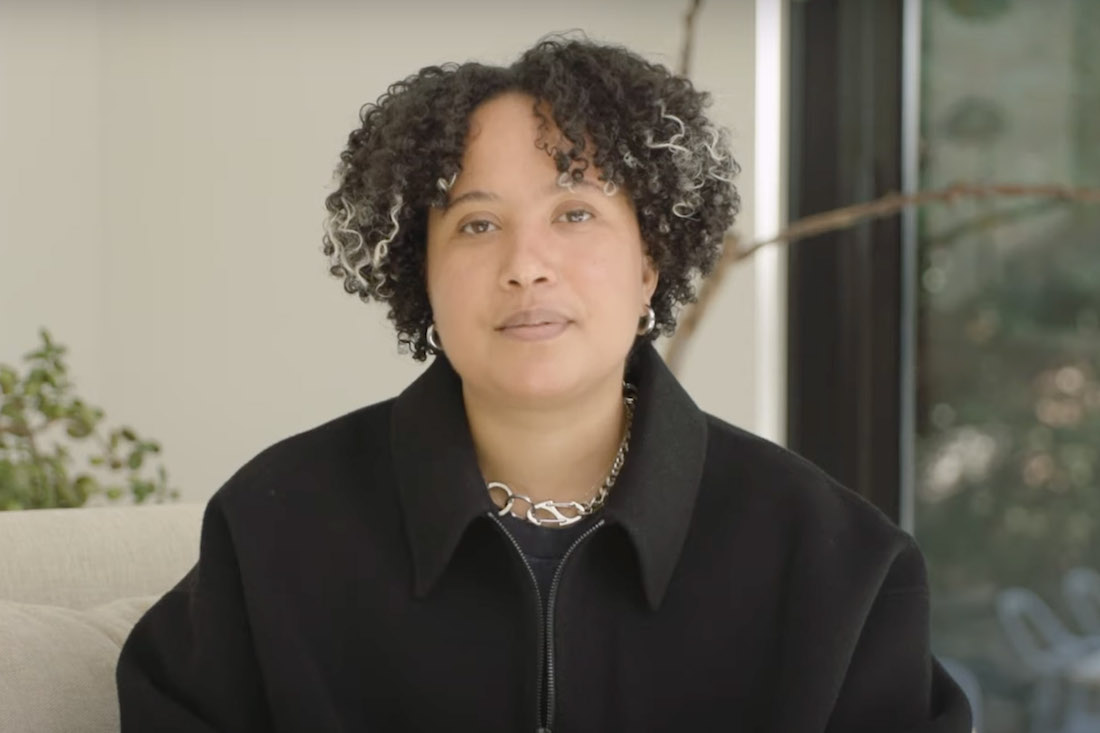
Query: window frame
(845,298)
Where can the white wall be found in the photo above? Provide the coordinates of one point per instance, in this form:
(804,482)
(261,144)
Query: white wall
(51,240)
(162,172)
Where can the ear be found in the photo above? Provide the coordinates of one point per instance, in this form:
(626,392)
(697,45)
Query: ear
(650,276)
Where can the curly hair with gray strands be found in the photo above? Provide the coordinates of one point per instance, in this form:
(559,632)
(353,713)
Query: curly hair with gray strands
(640,125)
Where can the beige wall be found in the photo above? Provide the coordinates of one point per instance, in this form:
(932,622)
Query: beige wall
(162,171)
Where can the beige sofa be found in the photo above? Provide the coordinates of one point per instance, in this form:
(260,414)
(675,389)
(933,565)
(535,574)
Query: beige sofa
(72,584)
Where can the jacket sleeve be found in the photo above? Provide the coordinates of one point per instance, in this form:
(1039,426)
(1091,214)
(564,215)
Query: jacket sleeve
(188,665)
(893,683)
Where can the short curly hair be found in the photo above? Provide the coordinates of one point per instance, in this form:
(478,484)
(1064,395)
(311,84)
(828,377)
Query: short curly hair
(640,125)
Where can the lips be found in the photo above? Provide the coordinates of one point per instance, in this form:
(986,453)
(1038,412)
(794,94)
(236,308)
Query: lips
(534,324)
(532,318)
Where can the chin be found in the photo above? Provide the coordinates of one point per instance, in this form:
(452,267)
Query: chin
(539,380)
(538,373)
(535,371)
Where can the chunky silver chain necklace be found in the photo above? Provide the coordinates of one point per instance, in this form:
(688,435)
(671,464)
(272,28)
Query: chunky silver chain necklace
(548,513)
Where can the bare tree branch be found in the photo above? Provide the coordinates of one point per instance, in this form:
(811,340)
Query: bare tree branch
(688,46)
(844,218)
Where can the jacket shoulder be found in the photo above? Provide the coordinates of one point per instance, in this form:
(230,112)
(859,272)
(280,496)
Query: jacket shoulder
(330,450)
(800,500)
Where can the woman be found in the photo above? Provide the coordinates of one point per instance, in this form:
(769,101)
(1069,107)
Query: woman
(542,532)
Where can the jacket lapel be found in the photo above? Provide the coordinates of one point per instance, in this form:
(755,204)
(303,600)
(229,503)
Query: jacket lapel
(442,492)
(655,494)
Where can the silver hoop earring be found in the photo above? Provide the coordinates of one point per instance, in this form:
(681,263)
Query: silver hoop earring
(650,322)
(433,339)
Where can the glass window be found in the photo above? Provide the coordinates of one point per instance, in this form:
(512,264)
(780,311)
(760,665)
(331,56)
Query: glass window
(1008,453)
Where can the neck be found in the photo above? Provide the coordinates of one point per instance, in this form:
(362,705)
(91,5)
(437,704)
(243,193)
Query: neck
(558,452)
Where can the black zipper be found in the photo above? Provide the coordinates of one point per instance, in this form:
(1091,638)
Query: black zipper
(544,716)
(550,626)
(538,613)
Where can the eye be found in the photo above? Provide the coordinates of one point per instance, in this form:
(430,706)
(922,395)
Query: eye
(576,216)
(477,226)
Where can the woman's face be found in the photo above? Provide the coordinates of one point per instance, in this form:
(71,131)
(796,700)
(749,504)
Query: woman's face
(536,289)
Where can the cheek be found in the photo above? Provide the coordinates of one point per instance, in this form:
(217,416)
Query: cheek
(440,271)
(440,265)
(455,284)
(611,292)
(442,293)
(436,277)
(611,277)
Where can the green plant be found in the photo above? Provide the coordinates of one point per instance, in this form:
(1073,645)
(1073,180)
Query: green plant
(38,471)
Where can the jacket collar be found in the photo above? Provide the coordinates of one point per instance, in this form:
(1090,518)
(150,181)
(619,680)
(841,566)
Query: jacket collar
(442,490)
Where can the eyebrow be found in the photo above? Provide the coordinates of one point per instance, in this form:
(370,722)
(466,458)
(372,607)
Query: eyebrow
(469,196)
(479,195)
(555,187)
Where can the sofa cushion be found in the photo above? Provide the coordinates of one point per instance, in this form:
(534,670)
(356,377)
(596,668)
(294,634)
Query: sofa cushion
(81,558)
(57,665)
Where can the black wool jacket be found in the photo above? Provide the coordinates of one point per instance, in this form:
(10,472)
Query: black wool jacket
(354,578)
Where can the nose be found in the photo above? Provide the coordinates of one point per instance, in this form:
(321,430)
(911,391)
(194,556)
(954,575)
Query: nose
(527,259)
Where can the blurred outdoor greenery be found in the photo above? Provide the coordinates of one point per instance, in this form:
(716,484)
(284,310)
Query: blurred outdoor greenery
(1008,451)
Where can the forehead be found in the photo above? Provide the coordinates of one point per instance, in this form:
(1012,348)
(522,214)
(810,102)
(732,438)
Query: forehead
(507,137)
(503,128)
(510,110)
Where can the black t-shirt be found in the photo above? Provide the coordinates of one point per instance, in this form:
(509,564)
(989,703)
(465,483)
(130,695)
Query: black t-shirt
(544,547)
